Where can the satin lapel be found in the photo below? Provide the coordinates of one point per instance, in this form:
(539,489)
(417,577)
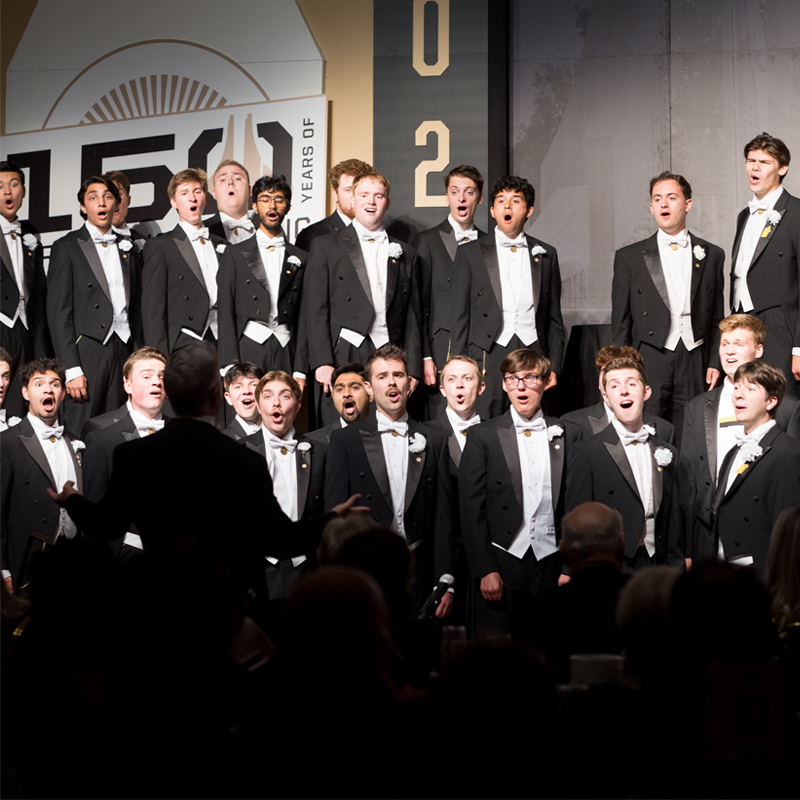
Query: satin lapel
(710,412)
(508,443)
(449,241)
(303,463)
(740,223)
(493,268)
(252,257)
(125,265)
(617,452)
(536,271)
(392,276)
(36,452)
(76,464)
(189,256)
(557,448)
(288,271)
(374,452)
(652,261)
(5,257)
(455,450)
(416,465)
(598,423)
(658,478)
(129,436)
(352,247)
(763,241)
(698,266)
(93,260)
(742,476)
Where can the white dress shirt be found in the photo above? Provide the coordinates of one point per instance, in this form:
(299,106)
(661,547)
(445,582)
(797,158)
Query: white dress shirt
(394,439)
(640,458)
(516,290)
(462,236)
(204,250)
(677,267)
(460,426)
(12,232)
(538,530)
(237,230)
(727,425)
(272,252)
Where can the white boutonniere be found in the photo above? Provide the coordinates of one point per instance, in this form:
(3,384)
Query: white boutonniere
(751,451)
(773,217)
(538,250)
(416,444)
(553,431)
(294,260)
(663,457)
(303,448)
(30,241)
(649,429)
(699,253)
(13,421)
(78,447)
(395,251)
(125,245)
(221,248)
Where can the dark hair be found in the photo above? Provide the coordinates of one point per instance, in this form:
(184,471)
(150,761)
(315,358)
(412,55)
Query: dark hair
(12,166)
(241,369)
(775,147)
(624,362)
(272,183)
(102,179)
(39,367)
(344,369)
(513,183)
(119,178)
(5,356)
(672,176)
(389,352)
(190,375)
(524,359)
(465,171)
(612,351)
(769,378)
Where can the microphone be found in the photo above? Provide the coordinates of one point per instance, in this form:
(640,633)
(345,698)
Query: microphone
(445,582)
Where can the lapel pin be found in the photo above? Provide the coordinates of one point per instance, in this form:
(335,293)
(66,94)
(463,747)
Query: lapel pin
(303,466)
(558,447)
(419,459)
(658,468)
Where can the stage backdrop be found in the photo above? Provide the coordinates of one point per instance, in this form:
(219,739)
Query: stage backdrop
(605,94)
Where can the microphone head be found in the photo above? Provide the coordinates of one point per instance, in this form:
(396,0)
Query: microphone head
(447,578)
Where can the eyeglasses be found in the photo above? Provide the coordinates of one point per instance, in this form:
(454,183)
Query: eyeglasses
(513,381)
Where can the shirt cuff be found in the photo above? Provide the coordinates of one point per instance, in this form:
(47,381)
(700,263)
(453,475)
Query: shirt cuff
(796,351)
(72,373)
(299,376)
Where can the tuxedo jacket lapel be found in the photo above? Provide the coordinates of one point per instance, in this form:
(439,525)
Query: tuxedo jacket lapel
(252,257)
(740,223)
(373,448)
(392,274)
(76,464)
(416,465)
(508,444)
(189,256)
(698,266)
(710,414)
(598,421)
(449,239)
(652,261)
(93,260)
(617,452)
(454,448)
(288,270)
(658,478)
(766,446)
(5,257)
(352,247)
(36,452)
(536,271)
(556,446)
(303,462)
(763,241)
(492,267)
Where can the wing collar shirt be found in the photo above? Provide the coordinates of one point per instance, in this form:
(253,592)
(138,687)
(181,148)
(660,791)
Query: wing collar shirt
(516,290)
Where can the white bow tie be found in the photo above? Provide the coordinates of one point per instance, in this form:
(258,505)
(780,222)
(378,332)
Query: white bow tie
(152,427)
(530,425)
(757,205)
(245,222)
(377,237)
(284,445)
(271,244)
(104,238)
(200,234)
(387,426)
(518,242)
(629,438)
(56,432)
(14,227)
(462,237)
